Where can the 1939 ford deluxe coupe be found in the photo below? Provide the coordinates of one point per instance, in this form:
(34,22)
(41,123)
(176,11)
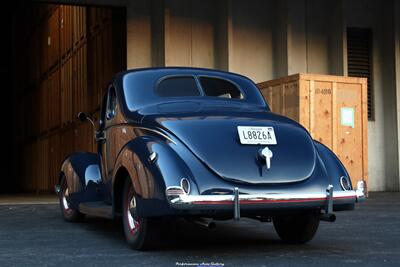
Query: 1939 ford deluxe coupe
(203,145)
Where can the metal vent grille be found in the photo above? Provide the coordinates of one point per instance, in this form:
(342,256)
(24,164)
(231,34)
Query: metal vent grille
(359,62)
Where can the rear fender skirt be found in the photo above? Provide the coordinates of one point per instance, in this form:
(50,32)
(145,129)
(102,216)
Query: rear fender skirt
(152,166)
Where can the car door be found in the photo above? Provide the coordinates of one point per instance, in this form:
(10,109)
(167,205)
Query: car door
(106,136)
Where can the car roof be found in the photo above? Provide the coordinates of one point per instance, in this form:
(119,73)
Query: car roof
(136,85)
(162,71)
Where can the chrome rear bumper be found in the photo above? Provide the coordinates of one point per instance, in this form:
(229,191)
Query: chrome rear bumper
(267,200)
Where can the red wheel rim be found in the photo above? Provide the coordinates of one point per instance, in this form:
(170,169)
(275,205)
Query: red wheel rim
(133,223)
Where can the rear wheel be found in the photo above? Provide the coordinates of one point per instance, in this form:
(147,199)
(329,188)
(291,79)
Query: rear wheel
(68,213)
(140,233)
(297,229)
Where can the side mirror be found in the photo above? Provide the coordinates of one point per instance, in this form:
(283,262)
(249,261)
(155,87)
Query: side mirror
(82,116)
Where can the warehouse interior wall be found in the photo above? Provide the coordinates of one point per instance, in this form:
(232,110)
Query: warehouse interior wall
(63,58)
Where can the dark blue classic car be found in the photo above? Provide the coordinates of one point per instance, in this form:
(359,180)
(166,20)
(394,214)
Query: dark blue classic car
(203,145)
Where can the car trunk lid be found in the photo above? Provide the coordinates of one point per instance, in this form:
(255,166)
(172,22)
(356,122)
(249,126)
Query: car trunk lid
(213,138)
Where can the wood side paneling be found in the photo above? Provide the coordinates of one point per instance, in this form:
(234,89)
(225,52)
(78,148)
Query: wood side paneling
(75,52)
(53,100)
(79,24)
(53,39)
(66,28)
(67,112)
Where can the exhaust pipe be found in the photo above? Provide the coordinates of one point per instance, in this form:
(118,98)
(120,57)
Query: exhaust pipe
(328,217)
(206,223)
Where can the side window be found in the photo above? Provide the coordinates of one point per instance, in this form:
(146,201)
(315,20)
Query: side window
(220,88)
(103,112)
(111,104)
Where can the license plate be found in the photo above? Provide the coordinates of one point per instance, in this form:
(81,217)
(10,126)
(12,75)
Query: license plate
(255,135)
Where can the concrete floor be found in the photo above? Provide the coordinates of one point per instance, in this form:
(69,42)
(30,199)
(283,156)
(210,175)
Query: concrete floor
(28,199)
(36,235)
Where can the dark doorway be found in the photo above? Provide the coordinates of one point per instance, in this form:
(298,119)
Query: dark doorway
(64,56)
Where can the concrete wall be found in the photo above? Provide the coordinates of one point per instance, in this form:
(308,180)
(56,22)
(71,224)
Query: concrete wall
(190,33)
(296,33)
(139,34)
(251,48)
(230,35)
(315,35)
(382,131)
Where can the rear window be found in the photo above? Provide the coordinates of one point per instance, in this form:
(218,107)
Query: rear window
(220,88)
(177,86)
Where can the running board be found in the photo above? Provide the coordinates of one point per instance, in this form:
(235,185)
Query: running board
(98,209)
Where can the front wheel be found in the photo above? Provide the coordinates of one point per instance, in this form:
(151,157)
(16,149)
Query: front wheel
(297,229)
(68,213)
(140,233)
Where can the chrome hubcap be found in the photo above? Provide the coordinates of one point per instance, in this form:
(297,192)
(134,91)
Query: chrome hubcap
(64,199)
(133,224)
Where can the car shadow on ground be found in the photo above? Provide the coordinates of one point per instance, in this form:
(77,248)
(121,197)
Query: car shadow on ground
(181,235)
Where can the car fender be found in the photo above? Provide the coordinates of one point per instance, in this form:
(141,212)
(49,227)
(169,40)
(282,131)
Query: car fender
(151,176)
(334,167)
(83,174)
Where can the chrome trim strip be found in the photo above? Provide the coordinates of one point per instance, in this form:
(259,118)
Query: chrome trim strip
(155,131)
(144,128)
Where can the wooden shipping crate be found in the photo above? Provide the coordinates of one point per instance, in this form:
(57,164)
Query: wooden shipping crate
(332,108)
